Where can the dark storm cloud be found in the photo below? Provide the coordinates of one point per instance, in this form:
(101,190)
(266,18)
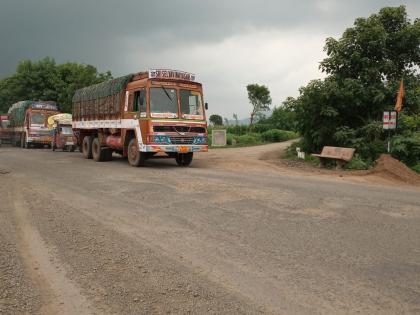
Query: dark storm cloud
(92,31)
(229,44)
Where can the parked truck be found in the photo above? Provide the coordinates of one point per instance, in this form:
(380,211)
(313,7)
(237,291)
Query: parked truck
(28,123)
(151,114)
(4,129)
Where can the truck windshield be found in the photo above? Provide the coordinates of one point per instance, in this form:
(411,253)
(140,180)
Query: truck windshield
(66,130)
(37,119)
(191,105)
(163,102)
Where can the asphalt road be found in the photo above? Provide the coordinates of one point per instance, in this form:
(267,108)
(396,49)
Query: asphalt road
(230,235)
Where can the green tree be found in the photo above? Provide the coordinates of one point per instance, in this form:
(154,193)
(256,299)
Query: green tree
(259,97)
(216,120)
(283,117)
(364,68)
(45,80)
(235,117)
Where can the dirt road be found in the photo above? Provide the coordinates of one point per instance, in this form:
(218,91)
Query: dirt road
(232,234)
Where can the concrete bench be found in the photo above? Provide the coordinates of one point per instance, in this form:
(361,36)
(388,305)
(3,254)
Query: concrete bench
(340,155)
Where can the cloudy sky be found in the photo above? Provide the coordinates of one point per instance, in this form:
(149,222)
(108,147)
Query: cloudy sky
(228,43)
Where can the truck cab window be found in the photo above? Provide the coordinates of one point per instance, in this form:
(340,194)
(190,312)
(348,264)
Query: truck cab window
(140,102)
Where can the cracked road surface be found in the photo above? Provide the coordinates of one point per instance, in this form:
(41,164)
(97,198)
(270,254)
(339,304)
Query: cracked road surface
(232,234)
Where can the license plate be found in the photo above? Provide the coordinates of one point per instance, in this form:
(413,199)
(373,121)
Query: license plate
(69,143)
(182,149)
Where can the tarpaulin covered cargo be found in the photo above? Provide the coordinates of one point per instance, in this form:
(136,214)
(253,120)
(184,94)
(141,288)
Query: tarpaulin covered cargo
(63,119)
(17,111)
(101,99)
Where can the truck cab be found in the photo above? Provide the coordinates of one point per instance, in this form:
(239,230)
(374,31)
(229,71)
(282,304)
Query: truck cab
(36,129)
(171,115)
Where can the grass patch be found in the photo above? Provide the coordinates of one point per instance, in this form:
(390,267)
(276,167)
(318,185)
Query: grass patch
(255,138)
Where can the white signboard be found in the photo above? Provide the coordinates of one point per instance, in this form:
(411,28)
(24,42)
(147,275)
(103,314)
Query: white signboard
(171,74)
(390,120)
(218,138)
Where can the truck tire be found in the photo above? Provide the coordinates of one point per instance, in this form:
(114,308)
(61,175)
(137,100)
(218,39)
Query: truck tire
(87,147)
(135,157)
(23,143)
(97,151)
(184,159)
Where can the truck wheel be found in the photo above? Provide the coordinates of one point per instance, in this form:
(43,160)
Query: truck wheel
(23,143)
(97,152)
(87,147)
(184,159)
(72,147)
(135,157)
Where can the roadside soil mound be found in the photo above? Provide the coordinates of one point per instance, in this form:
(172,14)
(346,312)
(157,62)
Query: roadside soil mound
(388,167)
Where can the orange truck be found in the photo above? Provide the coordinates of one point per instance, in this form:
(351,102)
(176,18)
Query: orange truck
(151,114)
(28,123)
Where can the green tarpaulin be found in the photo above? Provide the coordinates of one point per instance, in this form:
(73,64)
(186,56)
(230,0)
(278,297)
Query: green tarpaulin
(17,113)
(100,90)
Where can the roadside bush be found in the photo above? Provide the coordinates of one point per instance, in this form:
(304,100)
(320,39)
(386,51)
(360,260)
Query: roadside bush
(356,163)
(416,168)
(249,139)
(260,127)
(276,135)
(369,151)
(229,138)
(238,130)
(407,148)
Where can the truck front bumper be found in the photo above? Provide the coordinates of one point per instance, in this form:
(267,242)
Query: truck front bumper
(175,148)
(41,140)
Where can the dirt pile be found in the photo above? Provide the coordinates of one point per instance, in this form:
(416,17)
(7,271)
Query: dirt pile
(388,167)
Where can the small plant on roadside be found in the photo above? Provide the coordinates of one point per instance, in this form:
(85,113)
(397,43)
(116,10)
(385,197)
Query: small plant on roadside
(416,168)
(249,139)
(356,163)
(276,135)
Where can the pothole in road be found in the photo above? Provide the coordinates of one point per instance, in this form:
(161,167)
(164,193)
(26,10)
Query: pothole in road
(3,172)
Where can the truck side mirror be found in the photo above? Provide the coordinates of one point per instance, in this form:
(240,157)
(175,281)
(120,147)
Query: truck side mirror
(206,106)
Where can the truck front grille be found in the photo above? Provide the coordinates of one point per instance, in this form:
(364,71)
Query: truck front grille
(181,140)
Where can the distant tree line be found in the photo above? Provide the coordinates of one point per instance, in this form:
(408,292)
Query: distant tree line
(47,80)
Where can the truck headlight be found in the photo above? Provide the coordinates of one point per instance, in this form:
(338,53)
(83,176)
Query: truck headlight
(162,139)
(200,140)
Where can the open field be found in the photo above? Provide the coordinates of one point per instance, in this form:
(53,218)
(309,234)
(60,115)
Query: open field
(236,233)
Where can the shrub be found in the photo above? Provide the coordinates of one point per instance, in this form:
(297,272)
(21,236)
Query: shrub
(276,135)
(416,168)
(249,139)
(356,163)
(238,130)
(229,138)
(407,148)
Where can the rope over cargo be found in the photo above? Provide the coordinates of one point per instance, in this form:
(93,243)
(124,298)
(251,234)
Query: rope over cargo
(101,90)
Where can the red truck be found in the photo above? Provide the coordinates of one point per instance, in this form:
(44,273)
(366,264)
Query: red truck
(157,113)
